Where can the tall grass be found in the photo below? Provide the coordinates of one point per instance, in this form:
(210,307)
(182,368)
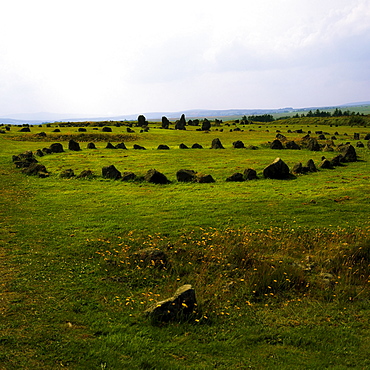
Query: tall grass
(280,268)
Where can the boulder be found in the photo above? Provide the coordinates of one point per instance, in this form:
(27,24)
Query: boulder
(74,145)
(297,168)
(138,147)
(39,153)
(327,148)
(121,146)
(367,137)
(292,145)
(67,174)
(196,146)
(337,160)
(185,175)
(85,174)
(348,152)
(360,144)
(278,169)
(180,125)
(281,137)
(129,130)
(183,146)
(326,164)
(206,125)
(204,179)
(107,129)
(155,177)
(311,167)
(46,150)
(128,176)
(111,172)
(91,146)
(110,146)
(25,129)
(165,122)
(276,144)
(163,147)
(216,144)
(313,145)
(321,137)
(356,136)
(56,130)
(81,129)
(250,174)
(36,169)
(24,160)
(180,307)
(56,148)
(238,144)
(236,177)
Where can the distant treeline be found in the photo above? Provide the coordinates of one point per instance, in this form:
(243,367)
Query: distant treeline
(317,113)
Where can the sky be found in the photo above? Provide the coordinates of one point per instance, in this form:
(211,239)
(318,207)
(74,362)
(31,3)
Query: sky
(116,57)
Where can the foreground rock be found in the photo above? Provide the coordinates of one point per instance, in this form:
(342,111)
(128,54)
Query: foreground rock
(278,169)
(180,307)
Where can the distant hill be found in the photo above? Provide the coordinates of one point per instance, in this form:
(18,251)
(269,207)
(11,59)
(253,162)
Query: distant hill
(45,117)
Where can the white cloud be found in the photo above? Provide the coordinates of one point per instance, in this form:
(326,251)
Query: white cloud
(124,57)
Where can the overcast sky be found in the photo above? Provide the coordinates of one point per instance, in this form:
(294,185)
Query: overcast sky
(113,57)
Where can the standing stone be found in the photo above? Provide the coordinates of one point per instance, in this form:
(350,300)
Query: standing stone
(91,146)
(216,144)
(156,177)
(297,168)
(204,179)
(238,144)
(111,172)
(196,146)
(206,125)
(313,145)
(56,148)
(74,145)
(177,308)
(185,175)
(180,125)
(292,145)
(121,146)
(250,174)
(165,122)
(67,174)
(236,177)
(311,166)
(276,144)
(278,169)
(348,152)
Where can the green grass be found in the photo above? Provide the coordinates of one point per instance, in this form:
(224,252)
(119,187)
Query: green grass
(254,251)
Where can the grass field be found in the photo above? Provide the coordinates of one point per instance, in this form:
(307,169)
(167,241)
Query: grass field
(280,267)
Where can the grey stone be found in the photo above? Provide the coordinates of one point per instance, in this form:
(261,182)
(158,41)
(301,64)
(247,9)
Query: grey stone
(278,169)
(177,308)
